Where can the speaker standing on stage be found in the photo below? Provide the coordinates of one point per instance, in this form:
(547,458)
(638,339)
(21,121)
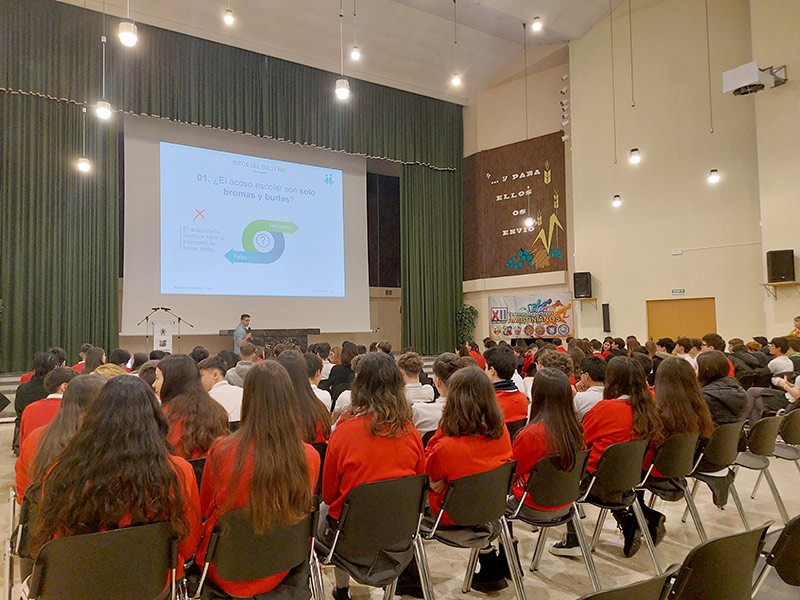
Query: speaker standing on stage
(242,333)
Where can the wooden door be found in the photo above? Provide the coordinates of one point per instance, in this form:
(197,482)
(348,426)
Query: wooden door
(689,317)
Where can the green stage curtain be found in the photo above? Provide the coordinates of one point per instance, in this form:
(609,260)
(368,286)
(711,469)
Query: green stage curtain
(59,230)
(430,244)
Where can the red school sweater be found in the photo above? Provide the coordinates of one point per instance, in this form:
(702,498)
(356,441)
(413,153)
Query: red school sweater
(608,422)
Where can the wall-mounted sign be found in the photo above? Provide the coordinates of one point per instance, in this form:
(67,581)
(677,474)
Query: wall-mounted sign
(678,292)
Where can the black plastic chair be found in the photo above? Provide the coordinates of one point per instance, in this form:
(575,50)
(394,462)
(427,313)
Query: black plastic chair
(547,486)
(198,464)
(515,427)
(380,518)
(238,553)
(478,501)
(718,454)
(654,588)
(783,555)
(720,568)
(612,487)
(786,449)
(133,563)
(675,460)
(322,450)
(760,445)
(427,438)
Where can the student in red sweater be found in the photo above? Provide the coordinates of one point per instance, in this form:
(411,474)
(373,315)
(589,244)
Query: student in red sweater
(471,438)
(314,419)
(117,471)
(475,353)
(627,412)
(374,440)
(41,412)
(195,419)
(501,363)
(79,366)
(264,466)
(42,446)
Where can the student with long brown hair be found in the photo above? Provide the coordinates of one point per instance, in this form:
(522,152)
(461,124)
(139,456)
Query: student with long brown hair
(471,438)
(626,412)
(314,419)
(374,440)
(117,471)
(264,466)
(43,445)
(94,358)
(195,419)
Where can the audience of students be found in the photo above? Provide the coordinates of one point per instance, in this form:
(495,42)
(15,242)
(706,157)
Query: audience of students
(247,358)
(723,394)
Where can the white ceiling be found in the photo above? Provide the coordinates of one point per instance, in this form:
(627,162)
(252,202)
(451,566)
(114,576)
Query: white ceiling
(406,44)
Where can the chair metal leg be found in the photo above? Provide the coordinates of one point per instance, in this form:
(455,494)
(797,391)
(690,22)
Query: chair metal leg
(637,510)
(587,553)
(317,582)
(762,577)
(471,564)
(776,495)
(388,591)
(8,567)
(690,505)
(422,567)
(652,501)
(755,487)
(694,494)
(797,464)
(601,519)
(513,563)
(582,514)
(738,502)
(540,544)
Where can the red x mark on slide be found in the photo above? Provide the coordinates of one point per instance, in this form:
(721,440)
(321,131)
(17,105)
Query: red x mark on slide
(199,214)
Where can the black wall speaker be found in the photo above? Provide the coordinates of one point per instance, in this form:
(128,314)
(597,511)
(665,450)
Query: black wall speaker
(606,318)
(582,283)
(780,266)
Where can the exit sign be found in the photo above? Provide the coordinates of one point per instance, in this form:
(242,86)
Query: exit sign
(678,292)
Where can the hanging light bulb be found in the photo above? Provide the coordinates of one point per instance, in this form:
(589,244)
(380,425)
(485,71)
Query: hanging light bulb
(455,80)
(228,18)
(103,110)
(355,53)
(529,222)
(342,89)
(634,157)
(617,201)
(537,24)
(127,30)
(713,177)
(84,165)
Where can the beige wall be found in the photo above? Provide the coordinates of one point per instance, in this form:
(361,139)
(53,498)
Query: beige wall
(776,41)
(668,204)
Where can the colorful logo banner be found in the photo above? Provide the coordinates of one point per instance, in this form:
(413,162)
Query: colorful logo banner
(531,316)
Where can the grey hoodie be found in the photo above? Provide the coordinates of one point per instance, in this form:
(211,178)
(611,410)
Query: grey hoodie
(235,376)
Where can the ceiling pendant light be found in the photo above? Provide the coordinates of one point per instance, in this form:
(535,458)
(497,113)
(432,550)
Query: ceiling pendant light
(536,25)
(342,85)
(355,52)
(455,79)
(84,165)
(634,157)
(103,108)
(127,30)
(228,18)
(713,177)
(617,201)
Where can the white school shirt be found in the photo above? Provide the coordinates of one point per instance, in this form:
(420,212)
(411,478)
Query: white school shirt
(230,397)
(323,395)
(417,392)
(426,415)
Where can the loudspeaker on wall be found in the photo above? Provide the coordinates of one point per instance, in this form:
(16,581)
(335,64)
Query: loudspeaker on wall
(606,318)
(582,283)
(780,266)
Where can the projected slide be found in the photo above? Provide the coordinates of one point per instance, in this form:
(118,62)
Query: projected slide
(249,226)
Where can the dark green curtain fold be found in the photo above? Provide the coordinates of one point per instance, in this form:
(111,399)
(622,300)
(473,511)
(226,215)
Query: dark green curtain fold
(430,244)
(59,230)
(53,50)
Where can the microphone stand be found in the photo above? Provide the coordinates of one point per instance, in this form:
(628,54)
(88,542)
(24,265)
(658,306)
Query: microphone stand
(180,319)
(147,327)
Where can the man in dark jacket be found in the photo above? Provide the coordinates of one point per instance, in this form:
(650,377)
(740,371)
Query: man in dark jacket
(33,390)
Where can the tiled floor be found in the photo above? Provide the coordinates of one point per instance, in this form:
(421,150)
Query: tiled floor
(566,578)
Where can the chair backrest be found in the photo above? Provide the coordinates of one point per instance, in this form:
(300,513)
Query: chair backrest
(785,554)
(649,589)
(723,447)
(427,437)
(322,450)
(480,498)
(238,553)
(126,564)
(702,575)
(676,456)
(790,428)
(381,515)
(515,427)
(198,464)
(619,469)
(550,487)
(763,435)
